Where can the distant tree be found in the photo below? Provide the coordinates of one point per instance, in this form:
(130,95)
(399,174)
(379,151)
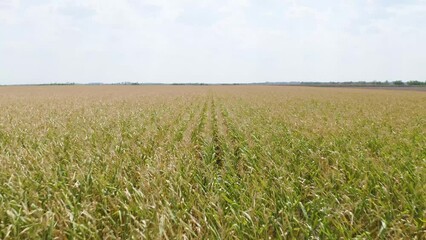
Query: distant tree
(416,83)
(398,83)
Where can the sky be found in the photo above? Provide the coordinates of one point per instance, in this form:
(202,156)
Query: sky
(211,41)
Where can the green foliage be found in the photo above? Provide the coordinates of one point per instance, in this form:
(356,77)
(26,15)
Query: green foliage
(416,83)
(398,83)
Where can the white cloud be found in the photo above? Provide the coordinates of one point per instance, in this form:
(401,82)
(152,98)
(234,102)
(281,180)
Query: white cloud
(212,41)
(8,10)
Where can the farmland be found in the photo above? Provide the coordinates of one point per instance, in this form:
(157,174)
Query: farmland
(107,162)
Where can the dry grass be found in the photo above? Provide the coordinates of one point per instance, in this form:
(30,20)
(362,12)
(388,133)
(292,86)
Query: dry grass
(211,162)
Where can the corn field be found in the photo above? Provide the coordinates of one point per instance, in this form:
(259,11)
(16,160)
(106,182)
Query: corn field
(211,162)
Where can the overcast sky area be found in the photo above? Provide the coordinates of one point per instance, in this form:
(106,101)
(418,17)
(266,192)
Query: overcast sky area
(84,41)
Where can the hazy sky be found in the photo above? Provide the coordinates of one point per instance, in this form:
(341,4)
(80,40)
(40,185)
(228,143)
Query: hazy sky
(211,41)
